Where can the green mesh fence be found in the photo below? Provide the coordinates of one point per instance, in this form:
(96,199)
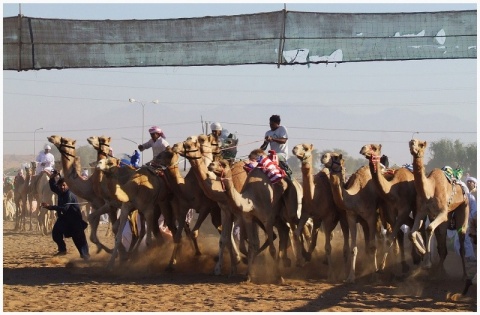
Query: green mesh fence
(281,38)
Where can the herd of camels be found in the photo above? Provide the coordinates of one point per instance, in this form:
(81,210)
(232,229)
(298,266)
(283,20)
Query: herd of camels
(231,195)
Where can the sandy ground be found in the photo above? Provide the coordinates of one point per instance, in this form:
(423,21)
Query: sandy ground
(33,280)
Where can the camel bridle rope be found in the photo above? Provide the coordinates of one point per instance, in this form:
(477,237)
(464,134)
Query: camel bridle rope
(64,153)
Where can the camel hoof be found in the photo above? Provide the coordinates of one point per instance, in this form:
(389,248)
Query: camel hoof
(280,281)
(405,267)
(198,254)
(169,268)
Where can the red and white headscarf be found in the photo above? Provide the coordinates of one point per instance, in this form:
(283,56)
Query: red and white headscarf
(155,129)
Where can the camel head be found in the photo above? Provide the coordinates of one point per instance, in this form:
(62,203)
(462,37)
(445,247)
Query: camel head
(100,144)
(166,158)
(194,148)
(107,164)
(220,168)
(334,163)
(331,159)
(189,148)
(60,142)
(417,147)
(303,151)
(370,150)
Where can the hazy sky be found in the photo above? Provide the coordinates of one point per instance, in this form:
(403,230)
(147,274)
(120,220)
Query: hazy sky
(332,106)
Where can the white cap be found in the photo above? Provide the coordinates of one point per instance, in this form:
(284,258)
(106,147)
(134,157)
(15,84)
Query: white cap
(216,126)
(47,147)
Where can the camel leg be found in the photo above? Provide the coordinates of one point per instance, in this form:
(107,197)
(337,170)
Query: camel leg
(313,241)
(346,246)
(94,221)
(396,235)
(462,234)
(414,235)
(283,235)
(441,218)
(222,242)
(352,225)
(177,237)
(329,226)
(118,236)
(253,245)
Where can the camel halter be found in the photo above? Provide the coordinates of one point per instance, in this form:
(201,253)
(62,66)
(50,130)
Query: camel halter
(335,163)
(64,153)
(305,157)
(103,144)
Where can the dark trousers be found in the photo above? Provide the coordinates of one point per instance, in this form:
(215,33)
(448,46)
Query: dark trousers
(63,229)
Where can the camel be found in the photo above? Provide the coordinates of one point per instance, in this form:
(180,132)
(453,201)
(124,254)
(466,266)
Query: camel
(192,149)
(437,198)
(21,199)
(261,200)
(360,201)
(138,189)
(101,185)
(319,205)
(186,190)
(399,194)
(83,188)
(40,190)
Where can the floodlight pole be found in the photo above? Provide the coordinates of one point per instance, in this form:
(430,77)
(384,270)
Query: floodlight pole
(132,100)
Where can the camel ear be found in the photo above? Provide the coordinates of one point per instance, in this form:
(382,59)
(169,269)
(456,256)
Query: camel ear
(423,144)
(73,142)
(340,156)
(379,146)
(311,146)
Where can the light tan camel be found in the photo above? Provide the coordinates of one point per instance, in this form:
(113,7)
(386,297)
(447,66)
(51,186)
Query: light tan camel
(437,197)
(319,205)
(101,185)
(399,196)
(138,189)
(83,188)
(40,190)
(192,149)
(360,200)
(263,201)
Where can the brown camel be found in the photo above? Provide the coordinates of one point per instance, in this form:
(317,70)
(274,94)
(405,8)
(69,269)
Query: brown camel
(40,190)
(138,189)
(83,188)
(21,199)
(399,196)
(261,200)
(319,205)
(359,199)
(437,198)
(192,149)
(187,189)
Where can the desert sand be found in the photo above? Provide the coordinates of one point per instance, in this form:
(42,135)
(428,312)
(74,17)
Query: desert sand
(34,280)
